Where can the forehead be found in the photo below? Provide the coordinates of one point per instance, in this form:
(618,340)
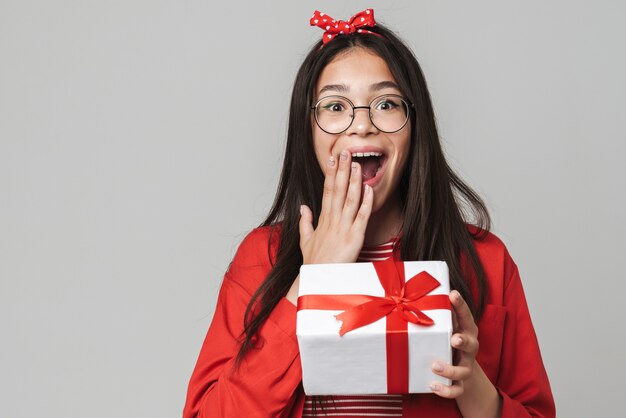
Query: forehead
(355,71)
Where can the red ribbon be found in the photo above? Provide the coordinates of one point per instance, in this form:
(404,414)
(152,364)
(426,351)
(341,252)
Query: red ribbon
(403,303)
(334,27)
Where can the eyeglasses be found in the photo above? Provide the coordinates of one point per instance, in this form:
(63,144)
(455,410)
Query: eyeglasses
(388,113)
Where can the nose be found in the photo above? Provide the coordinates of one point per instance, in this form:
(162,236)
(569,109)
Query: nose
(361,122)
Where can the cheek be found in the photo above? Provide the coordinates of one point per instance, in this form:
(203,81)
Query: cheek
(323,144)
(403,149)
(406,151)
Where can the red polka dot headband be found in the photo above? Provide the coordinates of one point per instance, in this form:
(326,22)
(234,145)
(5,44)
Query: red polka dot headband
(339,27)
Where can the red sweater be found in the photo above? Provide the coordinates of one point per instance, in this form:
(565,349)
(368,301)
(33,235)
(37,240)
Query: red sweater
(268,382)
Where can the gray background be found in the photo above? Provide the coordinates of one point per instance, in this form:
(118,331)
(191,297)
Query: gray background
(141,140)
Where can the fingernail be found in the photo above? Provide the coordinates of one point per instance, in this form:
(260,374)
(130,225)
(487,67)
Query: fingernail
(343,156)
(331,161)
(453,298)
(301,210)
(353,167)
(368,188)
(438,367)
(458,341)
(435,387)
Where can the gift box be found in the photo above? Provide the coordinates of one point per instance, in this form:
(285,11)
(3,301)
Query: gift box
(373,328)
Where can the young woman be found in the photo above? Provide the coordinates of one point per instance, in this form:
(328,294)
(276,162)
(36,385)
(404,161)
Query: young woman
(365,178)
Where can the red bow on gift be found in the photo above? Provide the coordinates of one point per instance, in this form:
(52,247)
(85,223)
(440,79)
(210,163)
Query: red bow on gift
(334,27)
(403,303)
(405,299)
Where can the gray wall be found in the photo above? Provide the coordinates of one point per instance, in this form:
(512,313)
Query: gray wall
(141,140)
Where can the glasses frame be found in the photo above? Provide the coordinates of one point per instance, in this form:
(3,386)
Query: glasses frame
(408,104)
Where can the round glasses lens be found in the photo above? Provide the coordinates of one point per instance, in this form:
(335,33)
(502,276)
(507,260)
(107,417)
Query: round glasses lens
(334,114)
(389,113)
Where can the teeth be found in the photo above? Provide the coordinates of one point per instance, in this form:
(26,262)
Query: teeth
(367,154)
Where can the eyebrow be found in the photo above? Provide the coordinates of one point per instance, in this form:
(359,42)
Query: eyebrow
(342,88)
(384,85)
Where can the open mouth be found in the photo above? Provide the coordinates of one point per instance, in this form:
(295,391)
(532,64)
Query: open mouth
(371,164)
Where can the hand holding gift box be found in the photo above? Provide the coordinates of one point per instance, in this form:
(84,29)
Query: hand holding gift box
(363,328)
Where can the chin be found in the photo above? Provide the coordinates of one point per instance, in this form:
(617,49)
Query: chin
(379,202)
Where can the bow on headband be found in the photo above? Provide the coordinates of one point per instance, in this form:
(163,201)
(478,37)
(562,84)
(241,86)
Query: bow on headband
(339,27)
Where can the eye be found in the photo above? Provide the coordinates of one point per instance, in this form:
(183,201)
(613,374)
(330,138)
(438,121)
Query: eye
(334,107)
(387,104)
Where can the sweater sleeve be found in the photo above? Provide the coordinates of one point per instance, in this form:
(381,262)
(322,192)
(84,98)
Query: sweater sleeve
(522,381)
(266,380)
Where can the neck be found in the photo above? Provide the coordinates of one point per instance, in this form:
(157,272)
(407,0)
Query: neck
(385,223)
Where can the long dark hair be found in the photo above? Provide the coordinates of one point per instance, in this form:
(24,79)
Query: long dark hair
(436,203)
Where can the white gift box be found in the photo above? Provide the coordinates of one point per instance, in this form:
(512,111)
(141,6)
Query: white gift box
(356,363)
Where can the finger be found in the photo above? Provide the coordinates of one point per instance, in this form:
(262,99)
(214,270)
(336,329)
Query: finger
(353,197)
(451,372)
(465,350)
(464,316)
(445,391)
(363,215)
(455,322)
(329,184)
(466,343)
(341,185)
(464,360)
(306,224)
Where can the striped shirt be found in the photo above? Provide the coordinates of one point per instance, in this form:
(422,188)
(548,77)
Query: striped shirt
(356,406)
